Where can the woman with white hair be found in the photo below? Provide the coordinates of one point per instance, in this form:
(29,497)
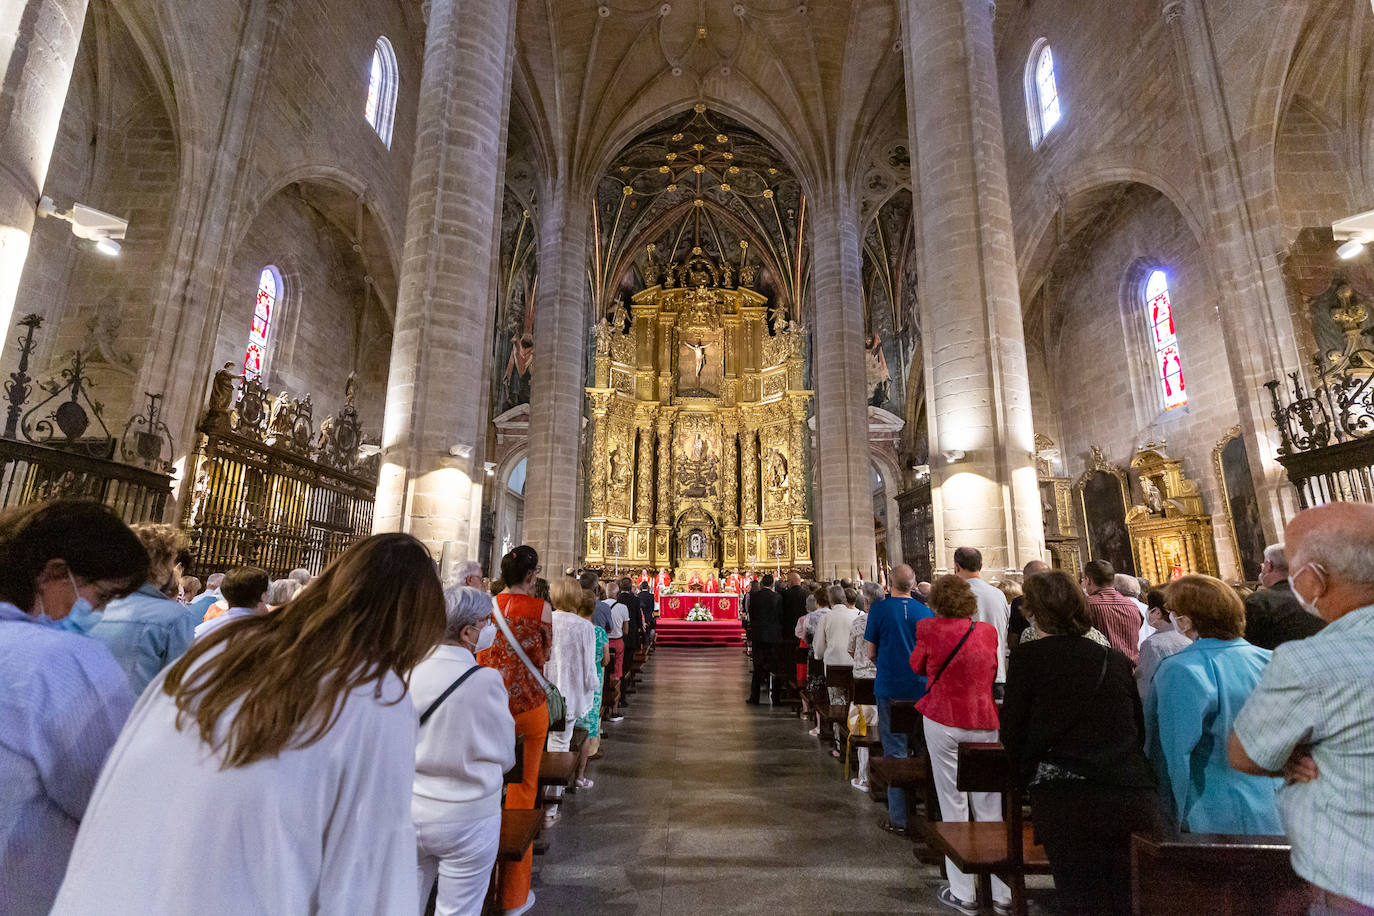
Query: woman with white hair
(465,744)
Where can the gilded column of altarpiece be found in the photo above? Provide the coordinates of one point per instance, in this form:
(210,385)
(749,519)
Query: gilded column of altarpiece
(698,413)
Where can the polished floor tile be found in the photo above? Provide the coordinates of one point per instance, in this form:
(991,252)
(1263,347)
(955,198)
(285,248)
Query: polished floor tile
(705,805)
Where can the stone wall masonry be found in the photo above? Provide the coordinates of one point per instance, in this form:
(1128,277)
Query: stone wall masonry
(1099,308)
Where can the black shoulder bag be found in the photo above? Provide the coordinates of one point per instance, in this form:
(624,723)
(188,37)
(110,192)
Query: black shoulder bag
(950,657)
(424,717)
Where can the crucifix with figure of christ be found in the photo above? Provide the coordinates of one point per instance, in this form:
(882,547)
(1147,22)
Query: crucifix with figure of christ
(699,352)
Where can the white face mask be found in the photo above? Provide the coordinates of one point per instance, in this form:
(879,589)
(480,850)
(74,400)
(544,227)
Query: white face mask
(486,638)
(1309,606)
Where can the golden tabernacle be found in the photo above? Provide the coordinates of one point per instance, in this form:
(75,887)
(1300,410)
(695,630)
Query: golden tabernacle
(698,421)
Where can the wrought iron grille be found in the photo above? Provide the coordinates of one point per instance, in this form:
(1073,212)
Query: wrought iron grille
(52,450)
(1326,436)
(267,493)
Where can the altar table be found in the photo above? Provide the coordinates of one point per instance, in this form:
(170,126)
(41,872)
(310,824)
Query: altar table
(722,605)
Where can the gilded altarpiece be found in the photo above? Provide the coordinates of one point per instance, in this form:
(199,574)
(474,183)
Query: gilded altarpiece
(698,414)
(1171,531)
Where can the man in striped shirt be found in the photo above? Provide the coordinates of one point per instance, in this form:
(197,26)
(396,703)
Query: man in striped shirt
(1115,615)
(1311,718)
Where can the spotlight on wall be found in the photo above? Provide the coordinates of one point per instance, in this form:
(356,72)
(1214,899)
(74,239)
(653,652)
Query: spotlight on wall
(1355,232)
(104,229)
(1351,249)
(954,455)
(922,471)
(460,451)
(489,467)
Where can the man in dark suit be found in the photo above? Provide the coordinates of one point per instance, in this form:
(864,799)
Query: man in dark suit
(765,635)
(634,628)
(646,610)
(1273,614)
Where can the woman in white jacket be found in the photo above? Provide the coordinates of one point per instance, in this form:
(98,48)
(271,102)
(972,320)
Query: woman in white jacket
(572,665)
(465,744)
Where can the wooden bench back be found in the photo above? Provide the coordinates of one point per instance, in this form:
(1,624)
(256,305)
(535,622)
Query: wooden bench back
(903,717)
(841,677)
(863,692)
(1236,875)
(983,767)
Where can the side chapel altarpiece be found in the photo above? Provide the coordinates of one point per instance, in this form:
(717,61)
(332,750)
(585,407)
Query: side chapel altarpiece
(698,420)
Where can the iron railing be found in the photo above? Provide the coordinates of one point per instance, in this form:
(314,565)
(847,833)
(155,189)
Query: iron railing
(60,447)
(1326,436)
(267,493)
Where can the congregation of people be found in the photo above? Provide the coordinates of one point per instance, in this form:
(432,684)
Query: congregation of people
(337,743)
(1123,707)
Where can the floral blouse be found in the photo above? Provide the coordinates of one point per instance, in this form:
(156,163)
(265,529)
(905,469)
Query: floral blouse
(523,615)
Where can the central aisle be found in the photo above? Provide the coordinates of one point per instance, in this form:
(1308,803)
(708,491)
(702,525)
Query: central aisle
(705,805)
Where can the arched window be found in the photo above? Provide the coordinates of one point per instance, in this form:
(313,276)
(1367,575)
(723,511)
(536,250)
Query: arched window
(1159,313)
(264,306)
(382,81)
(1043,111)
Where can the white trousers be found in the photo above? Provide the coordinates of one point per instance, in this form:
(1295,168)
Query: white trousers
(460,852)
(942,742)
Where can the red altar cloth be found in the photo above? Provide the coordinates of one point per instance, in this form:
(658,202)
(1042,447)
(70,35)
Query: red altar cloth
(721,606)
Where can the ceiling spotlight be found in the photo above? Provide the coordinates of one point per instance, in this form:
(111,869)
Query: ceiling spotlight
(460,451)
(954,455)
(489,467)
(1351,249)
(105,229)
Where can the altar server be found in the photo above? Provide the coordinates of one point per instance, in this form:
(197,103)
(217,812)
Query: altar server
(269,770)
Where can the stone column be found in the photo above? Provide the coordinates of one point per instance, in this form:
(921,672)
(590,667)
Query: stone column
(558,377)
(977,384)
(845,543)
(210,205)
(435,427)
(1245,237)
(600,460)
(38,42)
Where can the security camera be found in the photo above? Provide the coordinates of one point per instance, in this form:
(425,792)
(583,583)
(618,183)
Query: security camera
(105,229)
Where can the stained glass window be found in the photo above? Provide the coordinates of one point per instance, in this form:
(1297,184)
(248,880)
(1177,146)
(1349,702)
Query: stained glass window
(1168,365)
(269,289)
(1043,108)
(382,80)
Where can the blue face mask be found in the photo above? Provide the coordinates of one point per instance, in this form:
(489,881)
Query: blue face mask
(81,617)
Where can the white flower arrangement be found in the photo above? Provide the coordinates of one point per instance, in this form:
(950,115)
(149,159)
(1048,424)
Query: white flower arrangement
(699,612)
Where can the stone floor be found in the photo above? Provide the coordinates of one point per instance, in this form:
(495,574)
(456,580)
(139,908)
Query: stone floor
(705,805)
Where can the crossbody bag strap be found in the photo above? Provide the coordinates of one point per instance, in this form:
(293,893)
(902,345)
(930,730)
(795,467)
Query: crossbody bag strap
(424,717)
(950,657)
(518,649)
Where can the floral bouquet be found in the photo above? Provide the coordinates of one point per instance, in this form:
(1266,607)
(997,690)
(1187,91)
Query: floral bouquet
(699,613)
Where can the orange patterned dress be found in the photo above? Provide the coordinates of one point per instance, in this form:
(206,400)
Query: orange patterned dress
(524,614)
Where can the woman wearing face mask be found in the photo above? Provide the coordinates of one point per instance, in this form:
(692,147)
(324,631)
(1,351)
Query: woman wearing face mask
(63,699)
(146,631)
(1163,642)
(466,742)
(1193,700)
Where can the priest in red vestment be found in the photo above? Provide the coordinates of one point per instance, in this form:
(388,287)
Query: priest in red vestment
(662,582)
(735,583)
(712,584)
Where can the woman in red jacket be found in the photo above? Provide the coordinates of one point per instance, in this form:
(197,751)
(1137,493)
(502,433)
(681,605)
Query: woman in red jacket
(958,657)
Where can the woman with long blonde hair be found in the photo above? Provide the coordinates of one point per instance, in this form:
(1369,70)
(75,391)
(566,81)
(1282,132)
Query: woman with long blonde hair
(270,769)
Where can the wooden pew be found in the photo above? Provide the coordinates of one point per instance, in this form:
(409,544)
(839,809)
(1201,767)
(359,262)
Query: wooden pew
(1006,849)
(911,773)
(835,716)
(1235,875)
(861,694)
(556,768)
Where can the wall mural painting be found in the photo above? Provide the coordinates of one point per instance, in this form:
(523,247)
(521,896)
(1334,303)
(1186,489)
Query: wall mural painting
(514,337)
(1242,505)
(1104,513)
(891,338)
